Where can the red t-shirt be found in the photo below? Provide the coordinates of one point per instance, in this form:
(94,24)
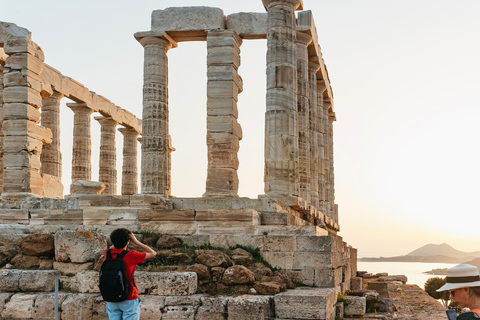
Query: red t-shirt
(131,259)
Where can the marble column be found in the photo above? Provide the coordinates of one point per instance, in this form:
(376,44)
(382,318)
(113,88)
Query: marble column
(331,176)
(326,158)
(281,132)
(1,129)
(223,131)
(51,156)
(156,175)
(108,155)
(321,147)
(23,137)
(82,144)
(313,67)
(303,109)
(129,168)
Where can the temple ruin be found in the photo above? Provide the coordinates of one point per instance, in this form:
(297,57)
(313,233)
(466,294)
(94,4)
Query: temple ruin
(294,223)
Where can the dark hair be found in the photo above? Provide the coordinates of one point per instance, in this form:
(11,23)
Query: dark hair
(120,237)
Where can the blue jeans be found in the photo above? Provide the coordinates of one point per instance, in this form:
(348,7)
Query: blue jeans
(124,310)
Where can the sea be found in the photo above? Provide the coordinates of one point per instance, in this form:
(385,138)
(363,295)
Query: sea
(413,270)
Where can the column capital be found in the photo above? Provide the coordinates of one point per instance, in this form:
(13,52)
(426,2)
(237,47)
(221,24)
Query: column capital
(296,4)
(106,121)
(81,108)
(303,38)
(128,131)
(155,37)
(314,66)
(321,85)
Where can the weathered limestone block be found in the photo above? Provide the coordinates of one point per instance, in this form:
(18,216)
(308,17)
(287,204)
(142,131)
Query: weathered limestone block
(193,300)
(314,244)
(87,187)
(23,127)
(21,261)
(25,111)
(85,282)
(355,306)
(151,306)
(78,246)
(400,278)
(37,280)
(212,308)
(9,280)
(45,306)
(38,245)
(280,243)
(227,241)
(72,268)
(23,143)
(166,284)
(306,303)
(78,306)
(188,19)
(356,283)
(249,307)
(179,313)
(10,30)
(213,258)
(380,287)
(20,306)
(248,25)
(4,297)
(99,309)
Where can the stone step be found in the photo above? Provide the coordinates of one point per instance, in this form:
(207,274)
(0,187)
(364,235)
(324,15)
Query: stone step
(306,303)
(291,230)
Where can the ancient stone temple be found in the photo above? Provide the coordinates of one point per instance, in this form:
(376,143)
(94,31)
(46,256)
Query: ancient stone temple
(294,223)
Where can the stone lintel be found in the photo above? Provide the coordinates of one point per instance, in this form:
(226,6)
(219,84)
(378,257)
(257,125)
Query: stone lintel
(248,25)
(188,23)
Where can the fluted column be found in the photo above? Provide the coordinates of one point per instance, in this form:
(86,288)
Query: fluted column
(129,168)
(1,128)
(223,131)
(303,109)
(108,155)
(82,144)
(51,156)
(313,67)
(326,159)
(331,176)
(281,132)
(23,137)
(321,147)
(156,175)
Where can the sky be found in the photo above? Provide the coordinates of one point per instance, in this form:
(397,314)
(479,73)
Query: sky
(406,95)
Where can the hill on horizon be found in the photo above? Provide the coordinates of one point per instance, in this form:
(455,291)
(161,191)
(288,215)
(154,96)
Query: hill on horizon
(438,253)
(443,249)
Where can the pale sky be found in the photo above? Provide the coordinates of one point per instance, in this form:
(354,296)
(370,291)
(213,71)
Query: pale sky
(406,94)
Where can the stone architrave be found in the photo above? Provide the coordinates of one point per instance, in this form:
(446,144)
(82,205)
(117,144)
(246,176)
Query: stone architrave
(129,168)
(23,137)
(313,67)
(321,87)
(51,156)
(281,133)
(82,143)
(156,149)
(1,130)
(303,109)
(108,155)
(223,131)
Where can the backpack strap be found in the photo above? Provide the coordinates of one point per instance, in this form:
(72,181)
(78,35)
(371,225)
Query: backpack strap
(109,254)
(122,254)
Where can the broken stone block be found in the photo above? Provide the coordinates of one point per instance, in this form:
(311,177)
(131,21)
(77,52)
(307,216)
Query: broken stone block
(45,305)
(87,187)
(166,283)
(238,274)
(78,306)
(380,287)
(188,19)
(356,284)
(354,306)
(250,307)
(248,25)
(85,282)
(20,306)
(305,303)
(78,246)
(179,313)
(151,306)
(37,280)
(212,308)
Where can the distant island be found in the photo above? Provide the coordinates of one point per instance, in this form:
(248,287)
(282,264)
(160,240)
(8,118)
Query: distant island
(433,253)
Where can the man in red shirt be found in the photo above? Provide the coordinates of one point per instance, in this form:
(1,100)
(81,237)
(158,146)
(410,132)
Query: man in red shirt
(130,308)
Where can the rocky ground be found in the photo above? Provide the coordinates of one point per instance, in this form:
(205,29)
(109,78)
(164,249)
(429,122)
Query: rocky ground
(411,302)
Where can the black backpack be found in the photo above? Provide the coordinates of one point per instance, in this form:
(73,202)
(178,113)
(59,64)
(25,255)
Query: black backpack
(113,282)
